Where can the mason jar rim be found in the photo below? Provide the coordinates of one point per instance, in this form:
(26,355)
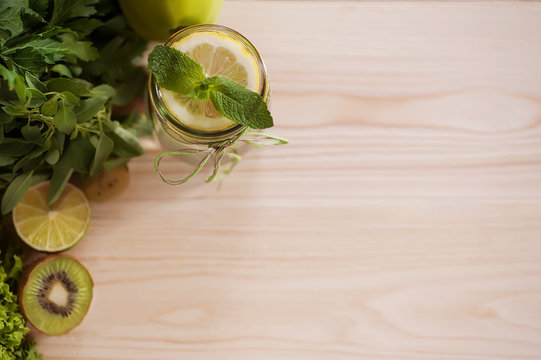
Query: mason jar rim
(175,125)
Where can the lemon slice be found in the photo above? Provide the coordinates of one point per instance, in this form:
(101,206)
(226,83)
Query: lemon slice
(55,227)
(218,54)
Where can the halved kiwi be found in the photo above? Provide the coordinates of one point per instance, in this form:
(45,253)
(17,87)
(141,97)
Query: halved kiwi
(56,294)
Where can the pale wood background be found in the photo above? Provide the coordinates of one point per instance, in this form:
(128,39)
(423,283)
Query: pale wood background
(402,222)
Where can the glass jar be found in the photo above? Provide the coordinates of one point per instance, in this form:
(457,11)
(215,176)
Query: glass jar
(176,136)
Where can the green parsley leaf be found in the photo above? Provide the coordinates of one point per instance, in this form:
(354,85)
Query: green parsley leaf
(81,49)
(51,50)
(28,60)
(11,21)
(83,27)
(174,70)
(40,7)
(62,70)
(66,9)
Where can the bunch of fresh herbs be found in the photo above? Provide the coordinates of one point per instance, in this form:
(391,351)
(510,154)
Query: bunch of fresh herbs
(64,64)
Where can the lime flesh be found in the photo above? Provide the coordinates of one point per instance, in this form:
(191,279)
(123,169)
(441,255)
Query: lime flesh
(54,227)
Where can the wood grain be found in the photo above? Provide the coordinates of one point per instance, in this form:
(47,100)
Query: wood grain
(402,222)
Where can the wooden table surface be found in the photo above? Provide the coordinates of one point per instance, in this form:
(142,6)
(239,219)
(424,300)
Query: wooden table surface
(402,222)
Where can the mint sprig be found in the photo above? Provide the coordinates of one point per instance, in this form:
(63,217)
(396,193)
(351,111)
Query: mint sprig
(177,72)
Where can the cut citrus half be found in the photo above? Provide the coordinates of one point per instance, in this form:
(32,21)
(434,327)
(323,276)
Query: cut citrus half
(219,54)
(54,227)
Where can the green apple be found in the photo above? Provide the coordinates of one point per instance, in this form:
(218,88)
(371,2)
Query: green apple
(157,19)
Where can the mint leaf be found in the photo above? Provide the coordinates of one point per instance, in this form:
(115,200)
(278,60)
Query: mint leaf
(174,70)
(238,104)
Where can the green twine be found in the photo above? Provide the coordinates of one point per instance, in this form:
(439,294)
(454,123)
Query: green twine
(217,151)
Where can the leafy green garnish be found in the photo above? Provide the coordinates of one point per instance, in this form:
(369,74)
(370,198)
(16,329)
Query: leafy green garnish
(63,65)
(238,103)
(13,345)
(177,72)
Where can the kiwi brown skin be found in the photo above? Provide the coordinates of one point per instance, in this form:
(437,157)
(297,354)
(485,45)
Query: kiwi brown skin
(24,281)
(107,184)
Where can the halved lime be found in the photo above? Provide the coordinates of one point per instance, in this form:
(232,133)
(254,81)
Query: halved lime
(52,228)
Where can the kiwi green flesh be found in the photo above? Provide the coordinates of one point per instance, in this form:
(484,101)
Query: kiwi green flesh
(56,295)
